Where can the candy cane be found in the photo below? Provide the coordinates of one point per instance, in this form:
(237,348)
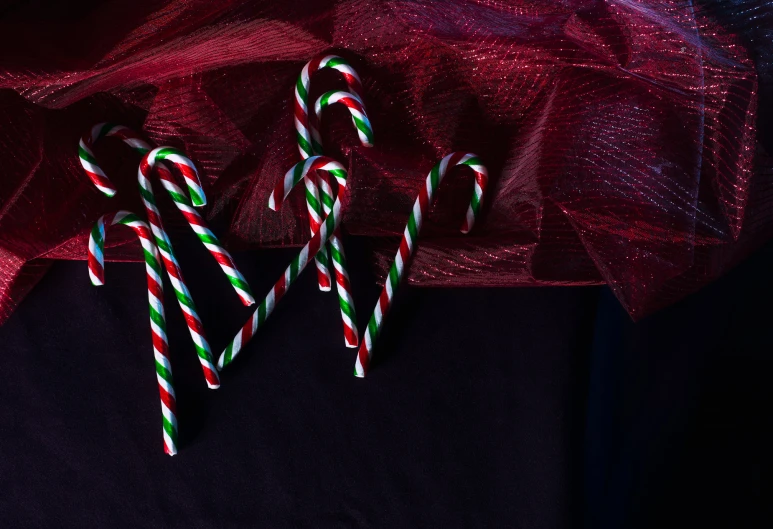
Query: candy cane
(362,124)
(156,303)
(305,131)
(328,226)
(357,110)
(183,203)
(170,261)
(161,238)
(408,243)
(308,144)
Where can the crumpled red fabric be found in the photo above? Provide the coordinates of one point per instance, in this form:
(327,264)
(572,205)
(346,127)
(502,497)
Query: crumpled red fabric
(620,136)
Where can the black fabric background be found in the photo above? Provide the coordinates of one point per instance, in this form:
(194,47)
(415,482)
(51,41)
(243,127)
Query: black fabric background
(485,408)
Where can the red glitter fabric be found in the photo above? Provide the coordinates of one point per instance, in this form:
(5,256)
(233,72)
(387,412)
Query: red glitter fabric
(619,136)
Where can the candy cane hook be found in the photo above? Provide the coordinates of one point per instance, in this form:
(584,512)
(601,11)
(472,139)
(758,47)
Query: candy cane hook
(309,144)
(362,124)
(180,199)
(326,229)
(408,243)
(156,304)
(161,238)
(195,327)
(303,127)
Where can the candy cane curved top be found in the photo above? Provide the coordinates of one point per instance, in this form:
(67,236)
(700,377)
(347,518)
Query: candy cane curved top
(357,109)
(301,170)
(319,195)
(131,138)
(302,125)
(156,306)
(186,168)
(89,161)
(326,229)
(408,242)
(181,201)
(184,298)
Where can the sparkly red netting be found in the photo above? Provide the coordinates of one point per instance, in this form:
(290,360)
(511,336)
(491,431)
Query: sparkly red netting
(620,136)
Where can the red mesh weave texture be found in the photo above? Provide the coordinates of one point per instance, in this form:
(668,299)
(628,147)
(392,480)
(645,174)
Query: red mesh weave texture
(620,136)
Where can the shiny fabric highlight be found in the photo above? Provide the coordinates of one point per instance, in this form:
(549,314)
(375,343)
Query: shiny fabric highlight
(620,136)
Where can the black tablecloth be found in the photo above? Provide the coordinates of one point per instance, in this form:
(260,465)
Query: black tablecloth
(484,408)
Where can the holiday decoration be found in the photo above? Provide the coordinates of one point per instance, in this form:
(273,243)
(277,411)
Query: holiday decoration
(319,194)
(172,266)
(153,269)
(183,203)
(408,243)
(306,133)
(326,229)
(628,142)
(364,130)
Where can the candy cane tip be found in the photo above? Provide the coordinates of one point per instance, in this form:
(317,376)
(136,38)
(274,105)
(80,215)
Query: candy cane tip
(109,193)
(359,375)
(210,385)
(324,288)
(353,345)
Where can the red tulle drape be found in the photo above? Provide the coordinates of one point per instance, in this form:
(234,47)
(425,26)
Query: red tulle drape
(620,136)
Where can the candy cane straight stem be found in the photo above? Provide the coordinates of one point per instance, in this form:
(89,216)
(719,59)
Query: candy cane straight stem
(362,124)
(184,298)
(314,208)
(305,134)
(180,199)
(343,286)
(156,304)
(162,240)
(328,226)
(408,243)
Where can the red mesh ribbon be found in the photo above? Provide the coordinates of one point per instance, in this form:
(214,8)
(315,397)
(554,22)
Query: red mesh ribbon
(620,136)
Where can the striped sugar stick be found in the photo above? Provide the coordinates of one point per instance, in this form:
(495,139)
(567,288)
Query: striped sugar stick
(180,199)
(184,298)
(162,242)
(408,243)
(357,110)
(314,208)
(306,132)
(343,286)
(328,226)
(156,302)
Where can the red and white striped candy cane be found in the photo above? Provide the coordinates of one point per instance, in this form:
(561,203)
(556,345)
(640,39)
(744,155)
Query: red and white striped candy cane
(180,199)
(343,286)
(355,106)
(184,298)
(161,238)
(326,229)
(156,304)
(307,136)
(408,243)
(303,126)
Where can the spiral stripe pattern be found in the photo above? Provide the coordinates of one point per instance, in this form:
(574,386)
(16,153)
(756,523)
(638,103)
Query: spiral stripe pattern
(181,200)
(328,226)
(408,243)
(305,132)
(96,262)
(184,298)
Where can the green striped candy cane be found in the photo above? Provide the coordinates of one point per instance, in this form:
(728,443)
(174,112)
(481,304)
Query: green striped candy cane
(408,243)
(156,305)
